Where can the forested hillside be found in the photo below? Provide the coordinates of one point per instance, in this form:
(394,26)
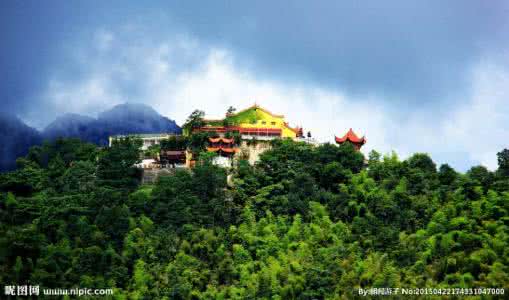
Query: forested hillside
(15,140)
(304,223)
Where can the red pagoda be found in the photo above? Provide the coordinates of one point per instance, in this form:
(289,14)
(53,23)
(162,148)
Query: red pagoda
(351,137)
(223,146)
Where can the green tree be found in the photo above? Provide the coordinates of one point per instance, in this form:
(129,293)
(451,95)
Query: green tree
(79,177)
(503,162)
(116,164)
(195,120)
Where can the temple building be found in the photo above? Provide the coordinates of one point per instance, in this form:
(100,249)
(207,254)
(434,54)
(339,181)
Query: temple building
(225,149)
(240,135)
(351,137)
(253,121)
(172,158)
(256,127)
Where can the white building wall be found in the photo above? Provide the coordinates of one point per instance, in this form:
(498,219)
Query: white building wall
(222,161)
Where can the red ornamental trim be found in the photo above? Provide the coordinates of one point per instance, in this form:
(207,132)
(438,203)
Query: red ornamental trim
(241,130)
(221,149)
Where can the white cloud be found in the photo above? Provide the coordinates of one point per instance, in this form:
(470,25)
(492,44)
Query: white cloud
(323,112)
(481,125)
(178,75)
(90,95)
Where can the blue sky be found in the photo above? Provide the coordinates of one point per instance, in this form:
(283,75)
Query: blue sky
(414,76)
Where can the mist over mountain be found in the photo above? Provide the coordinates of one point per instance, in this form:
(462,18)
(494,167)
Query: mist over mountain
(134,118)
(69,125)
(16,137)
(122,119)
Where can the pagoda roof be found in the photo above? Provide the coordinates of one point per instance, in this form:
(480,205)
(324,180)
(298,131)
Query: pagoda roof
(221,139)
(351,137)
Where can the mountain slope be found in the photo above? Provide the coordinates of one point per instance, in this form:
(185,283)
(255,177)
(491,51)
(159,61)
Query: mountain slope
(135,118)
(15,140)
(121,119)
(69,125)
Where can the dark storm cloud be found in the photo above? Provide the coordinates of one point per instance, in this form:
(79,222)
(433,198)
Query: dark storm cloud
(415,51)
(411,50)
(33,39)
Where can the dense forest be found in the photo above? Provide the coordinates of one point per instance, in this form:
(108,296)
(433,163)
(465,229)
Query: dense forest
(303,223)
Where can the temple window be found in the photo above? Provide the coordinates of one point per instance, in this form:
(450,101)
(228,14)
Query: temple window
(263,122)
(272,123)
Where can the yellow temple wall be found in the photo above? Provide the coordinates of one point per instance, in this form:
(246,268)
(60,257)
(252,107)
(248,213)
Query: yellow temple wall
(266,120)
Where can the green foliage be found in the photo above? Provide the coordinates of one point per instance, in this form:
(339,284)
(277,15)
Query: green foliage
(196,197)
(195,120)
(503,162)
(175,143)
(303,223)
(79,177)
(68,150)
(198,141)
(115,166)
(152,151)
(230,119)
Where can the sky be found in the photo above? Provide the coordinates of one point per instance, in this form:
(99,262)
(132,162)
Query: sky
(412,76)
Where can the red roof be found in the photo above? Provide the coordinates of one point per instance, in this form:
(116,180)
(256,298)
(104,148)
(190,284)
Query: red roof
(351,137)
(226,150)
(221,139)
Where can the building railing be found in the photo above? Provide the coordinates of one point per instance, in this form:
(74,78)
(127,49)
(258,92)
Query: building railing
(242,130)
